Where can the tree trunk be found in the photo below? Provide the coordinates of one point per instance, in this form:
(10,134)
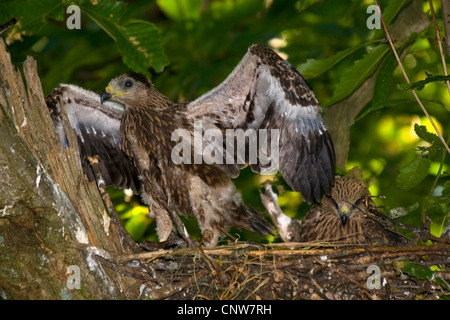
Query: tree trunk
(57,240)
(53,223)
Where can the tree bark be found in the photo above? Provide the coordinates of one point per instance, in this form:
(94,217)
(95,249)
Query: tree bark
(52,220)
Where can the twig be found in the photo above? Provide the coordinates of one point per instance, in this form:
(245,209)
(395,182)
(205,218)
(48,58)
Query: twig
(7,26)
(212,266)
(260,285)
(171,289)
(438,38)
(445,20)
(337,270)
(291,249)
(388,37)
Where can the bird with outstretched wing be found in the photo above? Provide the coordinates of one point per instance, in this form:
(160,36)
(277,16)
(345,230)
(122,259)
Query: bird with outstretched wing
(134,129)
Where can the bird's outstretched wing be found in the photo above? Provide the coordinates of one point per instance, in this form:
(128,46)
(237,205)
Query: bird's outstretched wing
(266,92)
(97,127)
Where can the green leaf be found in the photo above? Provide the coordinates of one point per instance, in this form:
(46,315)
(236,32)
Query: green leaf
(382,86)
(30,14)
(383,83)
(417,270)
(384,79)
(392,103)
(424,273)
(353,77)
(413,173)
(419,85)
(111,11)
(315,67)
(389,13)
(139,42)
(429,137)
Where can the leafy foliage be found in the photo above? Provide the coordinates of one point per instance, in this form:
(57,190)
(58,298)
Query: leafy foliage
(315,67)
(413,173)
(420,271)
(188,47)
(354,76)
(390,12)
(138,41)
(419,85)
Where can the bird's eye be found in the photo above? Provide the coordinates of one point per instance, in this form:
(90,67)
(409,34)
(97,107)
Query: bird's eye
(128,84)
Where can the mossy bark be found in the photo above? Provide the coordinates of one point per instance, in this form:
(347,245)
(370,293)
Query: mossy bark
(51,216)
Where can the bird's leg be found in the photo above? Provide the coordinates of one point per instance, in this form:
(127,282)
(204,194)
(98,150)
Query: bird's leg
(288,229)
(172,242)
(171,208)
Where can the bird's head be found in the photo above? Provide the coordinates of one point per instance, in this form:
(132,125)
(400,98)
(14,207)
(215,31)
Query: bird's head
(127,88)
(349,197)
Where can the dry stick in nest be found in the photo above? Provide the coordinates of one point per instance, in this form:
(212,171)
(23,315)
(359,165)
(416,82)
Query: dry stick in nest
(292,249)
(339,255)
(170,289)
(235,286)
(446,234)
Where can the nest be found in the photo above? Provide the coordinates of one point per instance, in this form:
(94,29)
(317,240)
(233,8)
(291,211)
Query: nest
(292,271)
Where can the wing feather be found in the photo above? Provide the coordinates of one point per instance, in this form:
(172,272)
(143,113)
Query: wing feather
(97,127)
(266,92)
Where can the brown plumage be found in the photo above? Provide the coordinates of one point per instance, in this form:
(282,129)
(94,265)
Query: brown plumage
(204,191)
(348,216)
(263,92)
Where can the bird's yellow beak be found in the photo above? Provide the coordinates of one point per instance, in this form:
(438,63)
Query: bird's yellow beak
(110,93)
(344,212)
(344,209)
